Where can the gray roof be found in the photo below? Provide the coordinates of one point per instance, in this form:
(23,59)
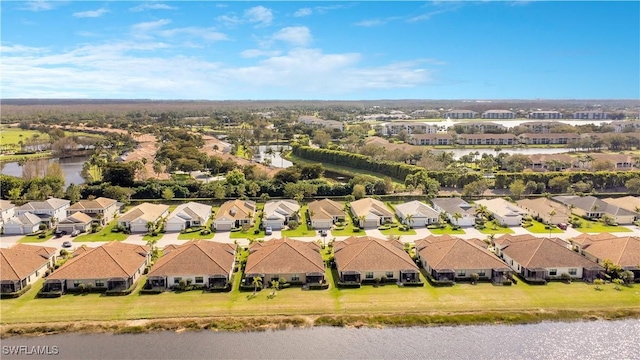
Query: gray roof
(588,203)
(24,219)
(454,205)
(417,209)
(49,204)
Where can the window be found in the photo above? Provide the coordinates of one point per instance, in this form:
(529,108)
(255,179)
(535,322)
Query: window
(37,274)
(76,283)
(99,283)
(481,273)
(275,278)
(389,274)
(295,277)
(461,273)
(199,280)
(368,275)
(176,280)
(573,271)
(553,272)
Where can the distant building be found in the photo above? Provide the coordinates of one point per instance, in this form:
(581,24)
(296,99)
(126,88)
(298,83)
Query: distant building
(460,114)
(590,115)
(545,115)
(498,114)
(330,124)
(394,128)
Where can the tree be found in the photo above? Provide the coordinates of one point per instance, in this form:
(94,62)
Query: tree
(408,220)
(359,191)
(517,188)
(321,138)
(531,186)
(119,174)
(73,193)
(474,278)
(257,282)
(168,194)
(607,219)
(456,217)
(560,183)
(633,185)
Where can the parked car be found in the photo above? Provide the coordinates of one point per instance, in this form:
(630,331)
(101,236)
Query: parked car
(268,230)
(66,244)
(75,233)
(323,233)
(562,226)
(60,233)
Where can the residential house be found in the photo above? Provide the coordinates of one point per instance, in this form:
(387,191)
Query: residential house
(278,213)
(591,115)
(6,211)
(504,212)
(370,213)
(365,259)
(460,114)
(102,210)
(623,251)
(76,221)
(593,208)
(49,211)
(314,121)
(297,262)
(630,203)
(545,210)
(112,266)
(580,242)
(548,139)
(138,218)
(619,161)
(480,127)
(458,211)
(545,115)
(487,139)
(498,114)
(325,213)
(551,162)
(541,127)
(191,214)
(543,259)
(235,213)
(431,139)
(451,258)
(625,126)
(26,223)
(22,265)
(394,128)
(202,263)
(417,213)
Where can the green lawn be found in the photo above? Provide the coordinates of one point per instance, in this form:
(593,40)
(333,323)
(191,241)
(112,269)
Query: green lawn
(493,228)
(538,228)
(589,226)
(348,231)
(104,234)
(36,239)
(196,234)
(397,231)
(302,230)
(387,299)
(249,234)
(147,236)
(446,230)
(15,135)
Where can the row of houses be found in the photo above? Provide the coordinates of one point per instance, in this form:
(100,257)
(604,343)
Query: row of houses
(541,114)
(506,139)
(118,266)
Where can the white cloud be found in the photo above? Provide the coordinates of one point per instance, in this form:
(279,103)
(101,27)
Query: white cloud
(294,35)
(252,53)
(150,25)
(91,13)
(430,14)
(260,15)
(208,34)
(303,12)
(229,20)
(370,23)
(152,6)
(38,5)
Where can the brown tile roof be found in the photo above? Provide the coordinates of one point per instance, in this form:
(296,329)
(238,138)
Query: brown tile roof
(114,259)
(544,253)
(97,203)
(196,257)
(544,158)
(543,206)
(513,238)
(325,209)
(624,251)
(586,239)
(371,254)
(236,210)
(368,205)
(147,211)
(77,217)
(20,261)
(448,252)
(631,203)
(5,204)
(284,256)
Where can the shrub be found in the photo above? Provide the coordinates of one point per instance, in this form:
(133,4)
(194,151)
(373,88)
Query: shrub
(81,287)
(565,277)
(42,236)
(474,278)
(356,229)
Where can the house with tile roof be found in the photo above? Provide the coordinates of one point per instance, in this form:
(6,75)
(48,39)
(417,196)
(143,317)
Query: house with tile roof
(76,221)
(450,258)
(370,213)
(593,208)
(191,214)
(630,203)
(278,213)
(297,262)
(545,210)
(21,265)
(542,259)
(504,212)
(419,213)
(325,213)
(23,224)
(202,263)
(49,211)
(102,210)
(138,217)
(114,266)
(365,259)
(623,251)
(235,213)
(452,206)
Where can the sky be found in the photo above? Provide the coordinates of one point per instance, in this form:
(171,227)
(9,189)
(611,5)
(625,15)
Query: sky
(327,50)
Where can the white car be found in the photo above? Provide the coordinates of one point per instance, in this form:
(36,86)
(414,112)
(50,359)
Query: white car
(268,230)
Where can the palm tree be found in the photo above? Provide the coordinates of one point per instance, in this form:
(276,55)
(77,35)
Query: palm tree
(408,220)
(482,211)
(257,282)
(457,216)
(361,220)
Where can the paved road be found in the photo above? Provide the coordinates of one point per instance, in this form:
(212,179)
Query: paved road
(172,238)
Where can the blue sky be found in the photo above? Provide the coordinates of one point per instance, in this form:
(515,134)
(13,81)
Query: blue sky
(320,50)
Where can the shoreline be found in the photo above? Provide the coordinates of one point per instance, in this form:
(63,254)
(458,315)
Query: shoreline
(284,322)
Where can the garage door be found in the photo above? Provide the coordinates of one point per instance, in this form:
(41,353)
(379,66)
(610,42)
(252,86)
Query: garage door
(222,226)
(173,227)
(139,228)
(370,224)
(67,227)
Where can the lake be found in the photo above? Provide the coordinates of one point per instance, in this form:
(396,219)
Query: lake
(71,168)
(551,340)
